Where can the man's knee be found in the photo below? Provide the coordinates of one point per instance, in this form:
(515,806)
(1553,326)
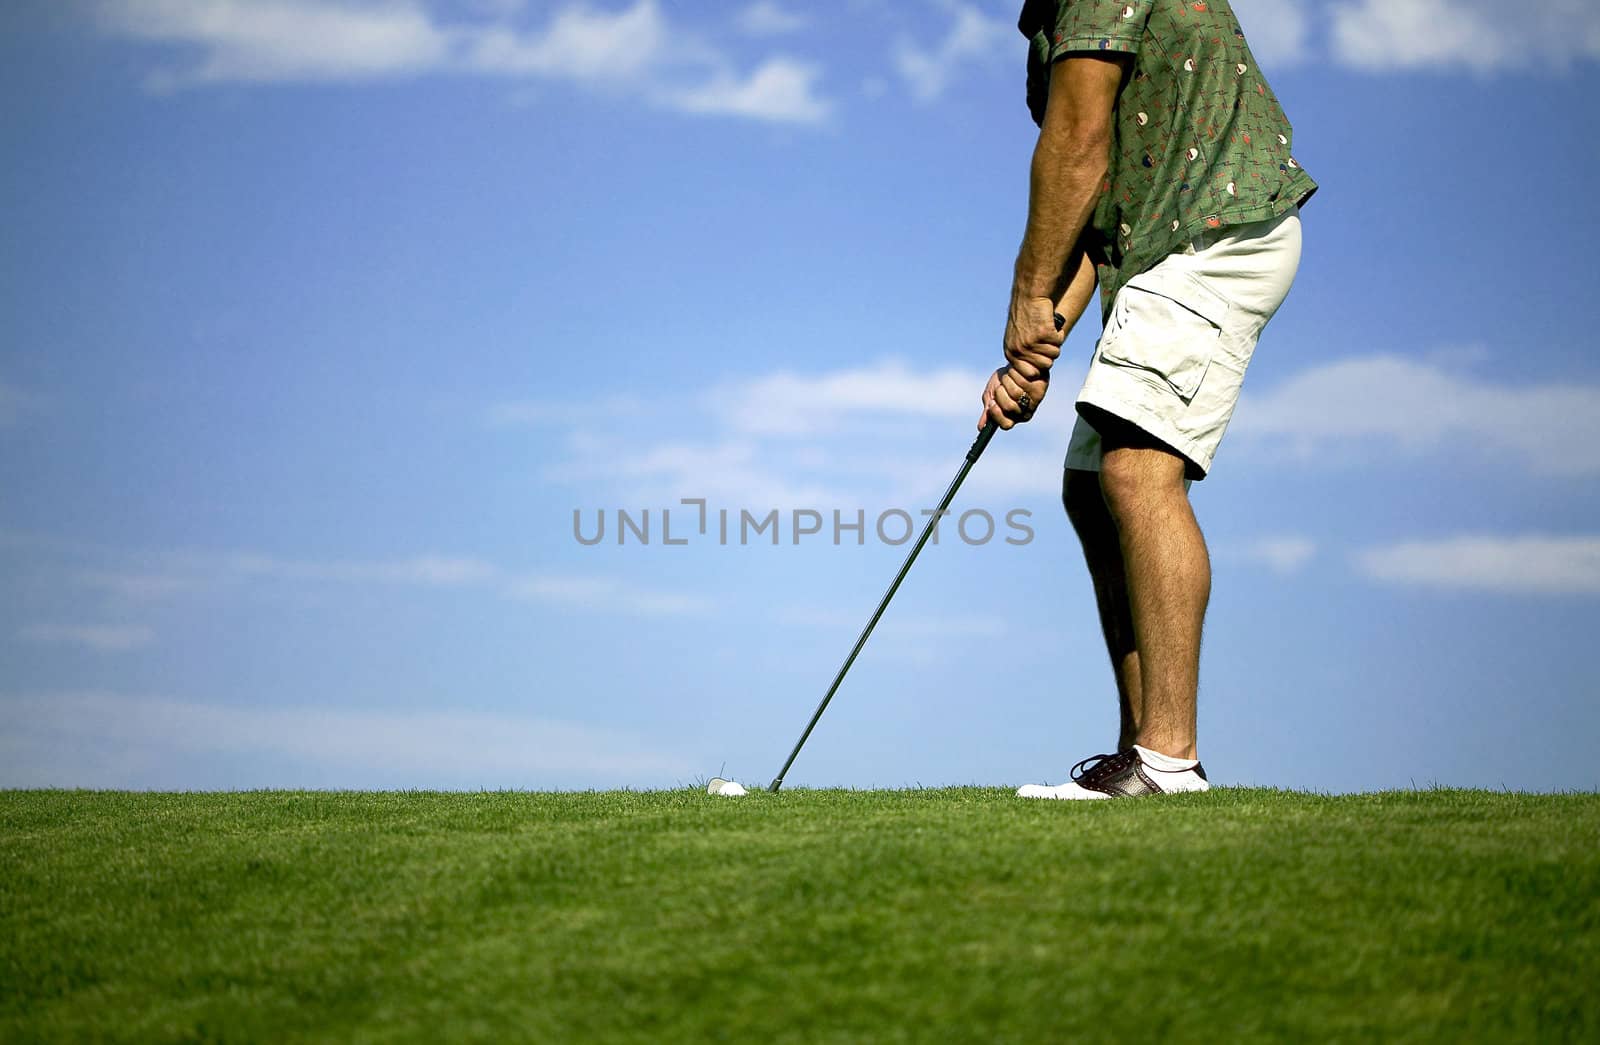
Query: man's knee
(1135,466)
(1133,479)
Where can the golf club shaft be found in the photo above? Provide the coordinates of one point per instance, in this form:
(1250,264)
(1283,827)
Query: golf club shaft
(905,567)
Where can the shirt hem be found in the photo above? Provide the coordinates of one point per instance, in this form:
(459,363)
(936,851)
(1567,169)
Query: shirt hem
(1185,234)
(1093,44)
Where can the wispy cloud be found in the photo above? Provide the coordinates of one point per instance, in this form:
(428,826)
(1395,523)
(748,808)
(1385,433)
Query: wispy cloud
(283,40)
(426,570)
(1481,35)
(985,625)
(881,435)
(769,18)
(514,413)
(974,38)
(1417,406)
(790,404)
(1536,565)
(136,586)
(106,739)
(579,44)
(173,574)
(100,639)
(633,48)
(781,90)
(1279,31)
(1284,556)
(732,470)
(608,594)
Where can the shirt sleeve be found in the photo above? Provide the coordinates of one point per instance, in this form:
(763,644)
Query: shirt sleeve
(1098,25)
(1058,27)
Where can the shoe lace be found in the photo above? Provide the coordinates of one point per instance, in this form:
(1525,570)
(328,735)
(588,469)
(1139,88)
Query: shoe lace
(1102,766)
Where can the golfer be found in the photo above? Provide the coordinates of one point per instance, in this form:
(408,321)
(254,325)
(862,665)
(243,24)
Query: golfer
(1164,173)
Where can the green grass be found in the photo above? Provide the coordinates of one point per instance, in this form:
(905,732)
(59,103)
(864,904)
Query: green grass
(935,915)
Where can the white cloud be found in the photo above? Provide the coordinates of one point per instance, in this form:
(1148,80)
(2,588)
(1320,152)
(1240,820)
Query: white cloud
(870,437)
(1278,30)
(267,40)
(790,404)
(1539,565)
(731,470)
(1414,406)
(768,18)
(534,412)
(780,90)
(99,639)
(908,626)
(1481,35)
(580,44)
(974,38)
(185,572)
(632,48)
(426,570)
(607,594)
(1282,555)
(99,739)
(140,587)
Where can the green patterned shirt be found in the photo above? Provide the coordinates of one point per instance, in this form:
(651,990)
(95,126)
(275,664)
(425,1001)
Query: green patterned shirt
(1200,140)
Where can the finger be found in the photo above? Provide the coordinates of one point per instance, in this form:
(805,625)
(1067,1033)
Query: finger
(1007,402)
(1014,388)
(1040,348)
(1034,356)
(1024,368)
(1002,409)
(1032,391)
(997,415)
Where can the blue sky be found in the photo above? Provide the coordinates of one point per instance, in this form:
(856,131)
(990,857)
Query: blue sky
(321,320)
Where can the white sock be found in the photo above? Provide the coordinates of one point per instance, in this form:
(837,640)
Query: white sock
(1165,763)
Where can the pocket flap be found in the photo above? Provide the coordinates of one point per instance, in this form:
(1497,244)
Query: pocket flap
(1185,290)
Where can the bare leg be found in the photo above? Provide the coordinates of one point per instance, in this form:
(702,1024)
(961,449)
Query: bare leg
(1168,580)
(1102,551)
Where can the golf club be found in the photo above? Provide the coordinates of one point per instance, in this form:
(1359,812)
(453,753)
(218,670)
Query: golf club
(944,503)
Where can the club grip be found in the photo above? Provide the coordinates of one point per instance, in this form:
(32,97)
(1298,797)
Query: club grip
(982,441)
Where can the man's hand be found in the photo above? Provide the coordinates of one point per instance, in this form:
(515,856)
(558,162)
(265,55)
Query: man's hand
(1034,335)
(1010,399)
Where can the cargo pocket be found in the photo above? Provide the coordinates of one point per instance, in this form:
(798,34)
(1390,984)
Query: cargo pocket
(1168,324)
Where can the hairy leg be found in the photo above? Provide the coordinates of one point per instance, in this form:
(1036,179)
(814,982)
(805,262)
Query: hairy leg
(1102,551)
(1168,579)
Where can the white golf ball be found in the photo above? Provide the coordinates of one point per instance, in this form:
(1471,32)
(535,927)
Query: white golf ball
(726,788)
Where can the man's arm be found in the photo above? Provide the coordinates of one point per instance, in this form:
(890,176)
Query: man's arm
(1032,362)
(1069,168)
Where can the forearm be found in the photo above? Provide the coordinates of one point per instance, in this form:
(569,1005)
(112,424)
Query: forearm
(1065,183)
(1080,279)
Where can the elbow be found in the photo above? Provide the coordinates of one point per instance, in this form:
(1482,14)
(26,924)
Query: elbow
(1084,148)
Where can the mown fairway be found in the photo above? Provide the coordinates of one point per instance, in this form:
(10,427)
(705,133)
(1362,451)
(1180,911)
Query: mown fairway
(938,915)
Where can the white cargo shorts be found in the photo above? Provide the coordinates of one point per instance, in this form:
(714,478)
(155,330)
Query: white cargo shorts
(1180,335)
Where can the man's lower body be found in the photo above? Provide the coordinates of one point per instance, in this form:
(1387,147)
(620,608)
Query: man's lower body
(1160,391)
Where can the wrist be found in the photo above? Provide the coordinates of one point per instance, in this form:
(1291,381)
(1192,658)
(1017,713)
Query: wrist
(1028,285)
